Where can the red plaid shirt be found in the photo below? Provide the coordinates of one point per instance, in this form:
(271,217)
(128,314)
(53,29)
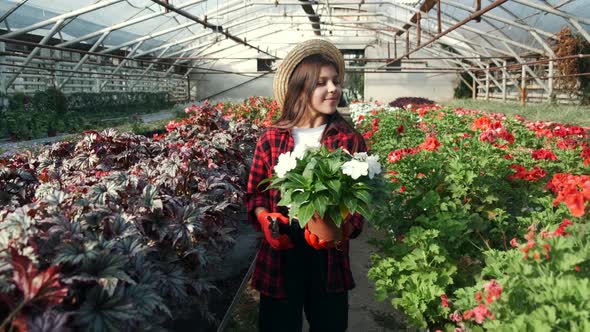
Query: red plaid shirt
(269,274)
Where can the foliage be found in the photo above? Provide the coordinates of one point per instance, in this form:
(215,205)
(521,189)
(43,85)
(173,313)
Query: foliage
(50,111)
(403,102)
(358,110)
(465,182)
(89,103)
(538,284)
(260,111)
(129,226)
(574,114)
(330,183)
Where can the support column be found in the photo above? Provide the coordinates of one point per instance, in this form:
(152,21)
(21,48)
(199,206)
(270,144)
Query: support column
(488,81)
(523,87)
(3,86)
(550,79)
(188,90)
(504,81)
(474,90)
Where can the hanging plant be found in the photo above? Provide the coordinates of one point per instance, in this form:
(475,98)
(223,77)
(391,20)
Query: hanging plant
(567,69)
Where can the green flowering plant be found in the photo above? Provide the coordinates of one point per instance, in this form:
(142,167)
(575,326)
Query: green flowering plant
(332,183)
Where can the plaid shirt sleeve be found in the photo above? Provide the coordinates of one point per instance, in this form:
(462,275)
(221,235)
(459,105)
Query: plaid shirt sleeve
(255,195)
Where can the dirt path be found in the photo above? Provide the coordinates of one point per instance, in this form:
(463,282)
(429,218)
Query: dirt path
(365,313)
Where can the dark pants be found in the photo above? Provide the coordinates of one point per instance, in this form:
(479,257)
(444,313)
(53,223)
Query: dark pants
(306,292)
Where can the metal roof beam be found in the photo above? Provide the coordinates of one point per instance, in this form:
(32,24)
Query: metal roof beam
(475,30)
(207,25)
(551,10)
(188,39)
(62,17)
(531,72)
(58,24)
(135,48)
(12,10)
(490,16)
(84,58)
(148,37)
(126,24)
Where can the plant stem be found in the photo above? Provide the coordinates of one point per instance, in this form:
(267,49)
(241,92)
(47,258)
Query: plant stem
(12,314)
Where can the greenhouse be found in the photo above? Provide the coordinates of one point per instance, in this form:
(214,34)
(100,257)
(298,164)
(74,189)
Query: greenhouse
(296,165)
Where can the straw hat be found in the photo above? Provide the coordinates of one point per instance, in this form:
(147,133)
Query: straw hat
(294,57)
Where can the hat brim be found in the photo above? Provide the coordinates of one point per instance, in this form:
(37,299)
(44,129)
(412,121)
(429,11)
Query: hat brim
(296,55)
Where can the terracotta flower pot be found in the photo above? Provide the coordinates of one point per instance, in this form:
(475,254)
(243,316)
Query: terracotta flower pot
(325,229)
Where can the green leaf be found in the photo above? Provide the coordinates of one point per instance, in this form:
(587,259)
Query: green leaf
(351,203)
(305,213)
(103,313)
(298,180)
(308,172)
(334,185)
(363,195)
(320,204)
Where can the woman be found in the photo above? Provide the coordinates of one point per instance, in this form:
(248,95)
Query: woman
(298,271)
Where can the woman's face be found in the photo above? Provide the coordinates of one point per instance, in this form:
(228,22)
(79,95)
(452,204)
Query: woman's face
(327,93)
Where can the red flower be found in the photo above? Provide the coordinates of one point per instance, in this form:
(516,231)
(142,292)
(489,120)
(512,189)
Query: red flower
(560,231)
(430,144)
(542,154)
(482,123)
(400,129)
(514,243)
(478,296)
(568,144)
(493,290)
(445,301)
(534,174)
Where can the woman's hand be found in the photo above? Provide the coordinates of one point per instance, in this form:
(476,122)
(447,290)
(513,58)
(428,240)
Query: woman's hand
(319,244)
(277,242)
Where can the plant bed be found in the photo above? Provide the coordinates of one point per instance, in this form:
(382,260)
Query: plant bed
(122,229)
(488,222)
(226,278)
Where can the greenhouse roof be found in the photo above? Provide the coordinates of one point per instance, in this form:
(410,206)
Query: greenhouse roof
(207,30)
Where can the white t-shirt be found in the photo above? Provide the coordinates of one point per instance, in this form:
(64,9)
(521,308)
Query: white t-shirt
(305,138)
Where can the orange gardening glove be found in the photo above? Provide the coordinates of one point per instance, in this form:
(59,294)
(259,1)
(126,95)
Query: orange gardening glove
(276,241)
(320,244)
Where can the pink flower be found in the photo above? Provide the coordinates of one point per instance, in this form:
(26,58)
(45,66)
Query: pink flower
(481,312)
(456,316)
(514,243)
(493,290)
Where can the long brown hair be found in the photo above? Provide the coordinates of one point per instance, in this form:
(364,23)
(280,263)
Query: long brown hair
(302,83)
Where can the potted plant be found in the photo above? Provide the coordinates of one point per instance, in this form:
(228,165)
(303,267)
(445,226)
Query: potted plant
(322,188)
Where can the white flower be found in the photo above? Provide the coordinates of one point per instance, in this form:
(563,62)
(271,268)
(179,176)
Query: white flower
(361,156)
(286,162)
(300,150)
(355,168)
(374,166)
